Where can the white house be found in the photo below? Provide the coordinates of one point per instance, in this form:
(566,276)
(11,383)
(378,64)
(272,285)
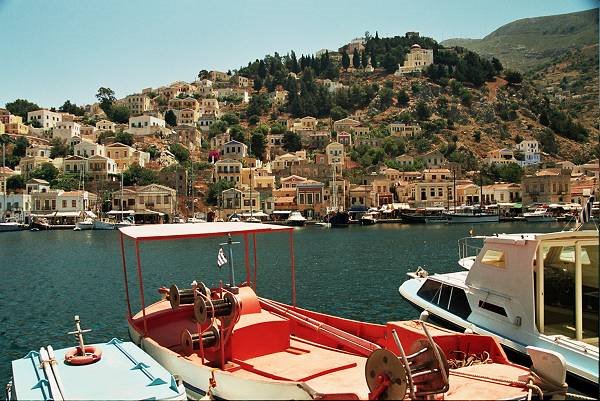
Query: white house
(105,125)
(234,149)
(145,125)
(46,118)
(66,130)
(531,152)
(87,148)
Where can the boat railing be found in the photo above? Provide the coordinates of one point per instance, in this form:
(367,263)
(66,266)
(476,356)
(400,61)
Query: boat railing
(469,247)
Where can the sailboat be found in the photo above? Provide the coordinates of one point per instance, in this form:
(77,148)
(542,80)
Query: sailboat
(336,217)
(87,223)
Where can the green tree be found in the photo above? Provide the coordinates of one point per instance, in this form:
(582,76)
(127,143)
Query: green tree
(258,142)
(170,118)
(20,107)
(230,118)
(180,152)
(72,108)
(547,141)
(237,133)
(356,59)
(15,182)
(402,98)
(215,189)
(216,128)
(46,171)
(389,63)
(477,136)
(345,61)
(253,119)
(106,97)
(60,148)
(386,95)
(422,111)
(119,114)
(125,138)
(20,147)
(66,182)
(136,175)
(364,59)
(337,113)
(513,77)
(497,65)
(277,129)
(259,104)
(291,141)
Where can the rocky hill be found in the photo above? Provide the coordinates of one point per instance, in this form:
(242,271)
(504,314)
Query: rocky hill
(527,43)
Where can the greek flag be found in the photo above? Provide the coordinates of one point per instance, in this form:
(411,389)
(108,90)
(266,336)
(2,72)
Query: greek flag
(586,210)
(221,259)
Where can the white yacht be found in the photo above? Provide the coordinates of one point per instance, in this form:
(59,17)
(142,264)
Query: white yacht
(296,220)
(539,215)
(524,289)
(11,225)
(86,224)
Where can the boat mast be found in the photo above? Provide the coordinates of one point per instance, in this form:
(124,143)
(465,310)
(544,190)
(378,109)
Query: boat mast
(121,200)
(454,187)
(334,189)
(4,176)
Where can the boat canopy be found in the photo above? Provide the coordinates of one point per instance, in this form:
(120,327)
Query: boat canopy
(198,230)
(116,212)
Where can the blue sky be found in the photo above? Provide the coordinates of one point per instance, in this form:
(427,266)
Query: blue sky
(53,50)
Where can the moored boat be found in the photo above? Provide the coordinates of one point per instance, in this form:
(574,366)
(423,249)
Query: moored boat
(296,220)
(86,224)
(339,219)
(11,225)
(104,224)
(231,343)
(471,215)
(526,289)
(539,215)
(115,370)
(368,219)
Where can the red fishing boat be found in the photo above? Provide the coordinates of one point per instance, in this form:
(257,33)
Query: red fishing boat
(230,343)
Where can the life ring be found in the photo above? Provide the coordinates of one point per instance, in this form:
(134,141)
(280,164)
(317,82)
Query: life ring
(92,354)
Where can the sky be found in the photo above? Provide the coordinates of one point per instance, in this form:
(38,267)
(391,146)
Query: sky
(54,50)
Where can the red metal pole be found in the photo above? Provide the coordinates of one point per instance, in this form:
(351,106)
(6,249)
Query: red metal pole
(255,265)
(247,259)
(293,269)
(139,270)
(125,276)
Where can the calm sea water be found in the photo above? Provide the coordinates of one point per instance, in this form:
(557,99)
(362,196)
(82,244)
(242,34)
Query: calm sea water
(49,276)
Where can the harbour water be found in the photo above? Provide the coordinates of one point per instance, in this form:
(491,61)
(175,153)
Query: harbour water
(49,276)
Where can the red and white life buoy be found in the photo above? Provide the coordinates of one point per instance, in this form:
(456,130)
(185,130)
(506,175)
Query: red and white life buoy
(75,357)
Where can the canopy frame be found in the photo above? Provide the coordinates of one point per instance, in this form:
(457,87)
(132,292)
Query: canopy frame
(139,234)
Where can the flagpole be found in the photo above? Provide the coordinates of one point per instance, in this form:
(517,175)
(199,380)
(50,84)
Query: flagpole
(231,270)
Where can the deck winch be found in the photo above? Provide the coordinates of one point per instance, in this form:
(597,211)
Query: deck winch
(424,372)
(185,296)
(225,307)
(190,343)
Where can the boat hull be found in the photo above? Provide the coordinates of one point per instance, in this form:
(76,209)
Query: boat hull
(6,227)
(295,223)
(412,218)
(540,219)
(84,226)
(340,220)
(408,290)
(104,225)
(472,219)
(196,378)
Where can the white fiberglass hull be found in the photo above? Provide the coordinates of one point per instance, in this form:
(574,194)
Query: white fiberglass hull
(104,225)
(84,226)
(582,366)
(5,227)
(228,386)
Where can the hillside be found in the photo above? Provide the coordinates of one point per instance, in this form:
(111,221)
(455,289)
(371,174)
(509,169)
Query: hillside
(530,42)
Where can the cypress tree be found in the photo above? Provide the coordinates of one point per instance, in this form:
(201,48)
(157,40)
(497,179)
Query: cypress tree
(356,59)
(345,60)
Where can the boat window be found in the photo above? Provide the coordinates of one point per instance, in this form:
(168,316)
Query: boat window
(429,289)
(494,258)
(444,296)
(459,305)
(589,273)
(492,308)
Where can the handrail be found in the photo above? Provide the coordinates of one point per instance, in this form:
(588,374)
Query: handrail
(466,249)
